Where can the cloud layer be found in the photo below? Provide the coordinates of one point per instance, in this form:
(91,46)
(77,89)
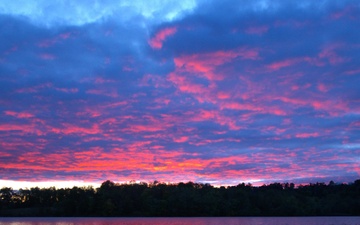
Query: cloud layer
(217,92)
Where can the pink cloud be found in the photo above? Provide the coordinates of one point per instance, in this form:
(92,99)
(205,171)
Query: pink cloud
(145,128)
(34,89)
(47,56)
(281,64)
(201,142)
(223,95)
(333,108)
(184,84)
(112,92)
(19,114)
(73,129)
(216,117)
(259,30)
(139,145)
(351,72)
(127,69)
(273,129)
(322,87)
(155,80)
(11,50)
(329,53)
(260,108)
(116,104)
(355,124)
(100,80)
(162,101)
(157,41)
(89,111)
(306,135)
(205,64)
(67,90)
(65,35)
(47,43)
(181,139)
(350,12)
(24,128)
(52,41)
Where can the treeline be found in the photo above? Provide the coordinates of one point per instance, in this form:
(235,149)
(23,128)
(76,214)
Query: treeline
(184,199)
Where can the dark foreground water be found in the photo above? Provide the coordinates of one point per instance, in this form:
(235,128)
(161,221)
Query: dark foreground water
(186,221)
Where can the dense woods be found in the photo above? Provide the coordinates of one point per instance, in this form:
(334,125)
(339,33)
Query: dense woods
(184,199)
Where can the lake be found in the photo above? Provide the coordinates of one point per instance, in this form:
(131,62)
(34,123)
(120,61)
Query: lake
(185,221)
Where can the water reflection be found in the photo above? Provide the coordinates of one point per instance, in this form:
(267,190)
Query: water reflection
(185,221)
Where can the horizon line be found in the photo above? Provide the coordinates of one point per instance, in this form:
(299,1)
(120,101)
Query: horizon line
(58,184)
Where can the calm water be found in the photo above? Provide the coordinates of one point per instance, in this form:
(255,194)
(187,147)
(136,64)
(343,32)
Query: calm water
(186,221)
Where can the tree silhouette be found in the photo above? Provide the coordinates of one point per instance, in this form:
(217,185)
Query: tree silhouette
(184,199)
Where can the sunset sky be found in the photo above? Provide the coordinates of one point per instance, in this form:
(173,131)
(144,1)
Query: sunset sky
(218,92)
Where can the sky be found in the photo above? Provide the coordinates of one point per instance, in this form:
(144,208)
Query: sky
(219,92)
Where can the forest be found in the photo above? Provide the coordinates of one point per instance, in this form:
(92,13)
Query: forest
(184,199)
